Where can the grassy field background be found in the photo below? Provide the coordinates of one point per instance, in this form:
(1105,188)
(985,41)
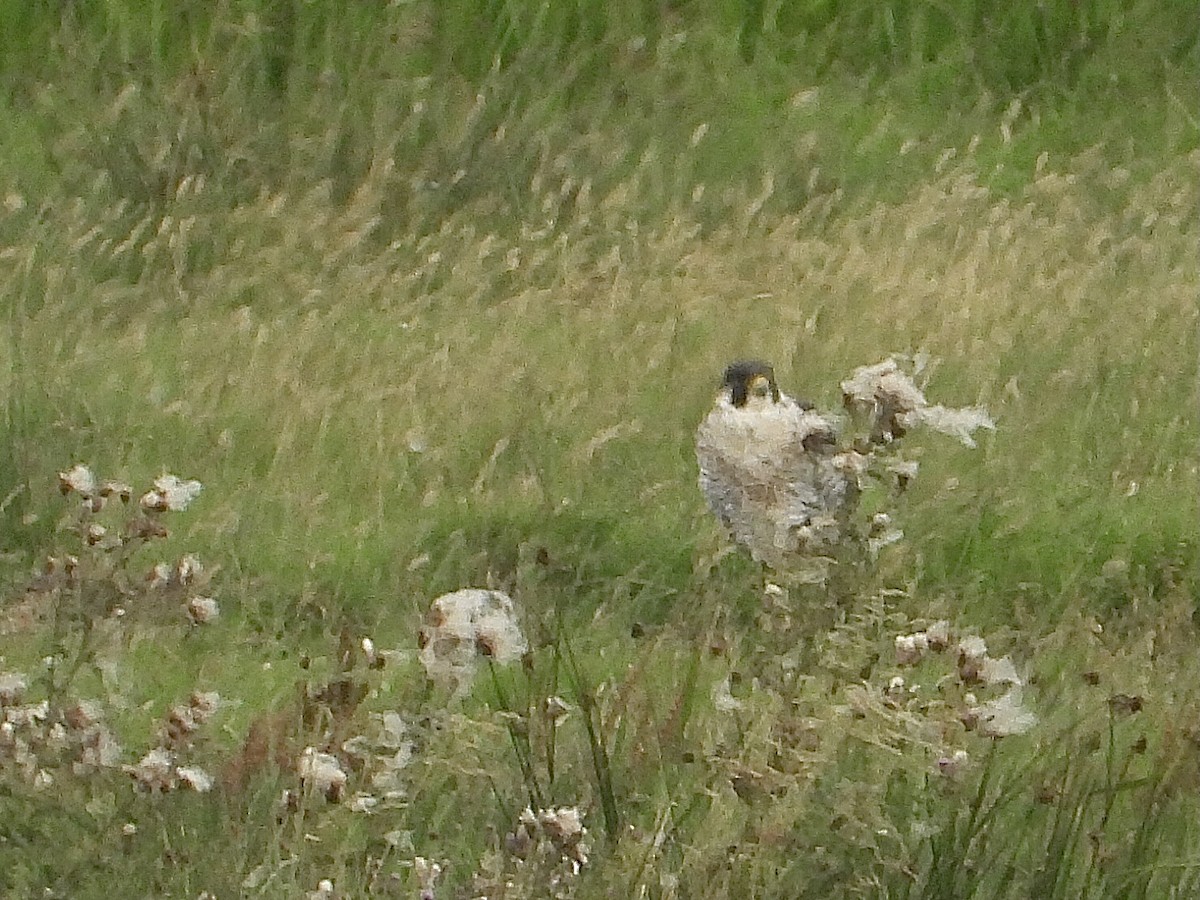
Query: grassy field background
(432,296)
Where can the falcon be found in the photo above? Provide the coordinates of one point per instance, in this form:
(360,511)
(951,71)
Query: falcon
(771,470)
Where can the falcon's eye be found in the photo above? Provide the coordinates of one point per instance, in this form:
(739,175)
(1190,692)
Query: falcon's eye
(760,386)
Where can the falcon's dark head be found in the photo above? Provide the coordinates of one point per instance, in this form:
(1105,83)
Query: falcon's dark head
(750,378)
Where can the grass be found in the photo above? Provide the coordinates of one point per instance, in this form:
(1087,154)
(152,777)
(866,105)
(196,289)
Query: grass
(426,310)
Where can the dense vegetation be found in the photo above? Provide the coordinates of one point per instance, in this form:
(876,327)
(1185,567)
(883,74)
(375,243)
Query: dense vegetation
(433,295)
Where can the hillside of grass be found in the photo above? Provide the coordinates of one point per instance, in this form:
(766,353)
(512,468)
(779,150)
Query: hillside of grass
(433,296)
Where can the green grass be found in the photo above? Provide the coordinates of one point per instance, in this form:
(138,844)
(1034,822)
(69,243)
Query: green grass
(434,296)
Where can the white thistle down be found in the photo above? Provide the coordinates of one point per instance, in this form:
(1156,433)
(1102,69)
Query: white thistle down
(323,771)
(170,494)
(78,478)
(465,626)
(1004,716)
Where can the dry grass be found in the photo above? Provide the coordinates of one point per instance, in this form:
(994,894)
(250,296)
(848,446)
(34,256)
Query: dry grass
(381,414)
(347,386)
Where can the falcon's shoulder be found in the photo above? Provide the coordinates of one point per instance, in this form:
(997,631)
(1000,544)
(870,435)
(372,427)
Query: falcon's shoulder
(813,431)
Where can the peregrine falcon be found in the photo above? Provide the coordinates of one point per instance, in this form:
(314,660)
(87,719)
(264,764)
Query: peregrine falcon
(771,470)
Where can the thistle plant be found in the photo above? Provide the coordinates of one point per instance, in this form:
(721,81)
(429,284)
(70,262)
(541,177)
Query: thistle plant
(543,855)
(93,590)
(885,404)
(96,580)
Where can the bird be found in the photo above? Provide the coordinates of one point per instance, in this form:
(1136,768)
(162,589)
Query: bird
(772,471)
